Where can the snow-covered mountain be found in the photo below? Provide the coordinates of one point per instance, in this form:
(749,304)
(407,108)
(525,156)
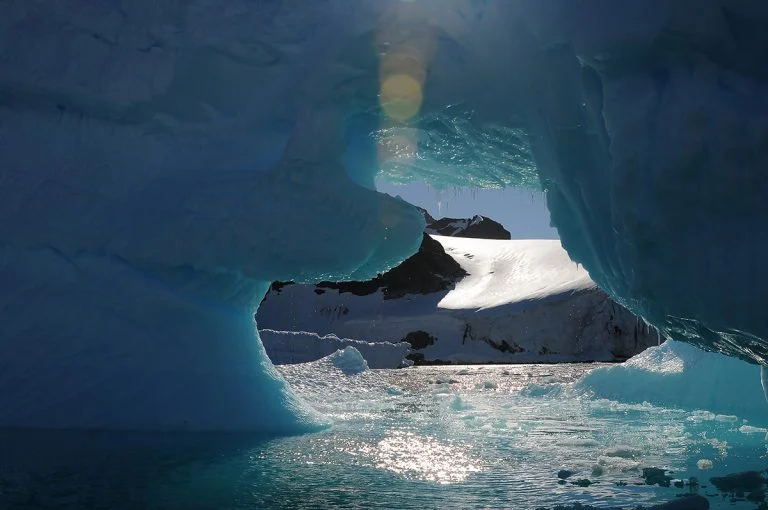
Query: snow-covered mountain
(520,301)
(479,227)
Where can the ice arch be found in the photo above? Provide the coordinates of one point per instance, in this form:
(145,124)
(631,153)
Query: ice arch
(161,161)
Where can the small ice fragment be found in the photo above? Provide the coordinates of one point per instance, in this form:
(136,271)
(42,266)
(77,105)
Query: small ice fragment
(349,360)
(625,452)
(749,429)
(457,404)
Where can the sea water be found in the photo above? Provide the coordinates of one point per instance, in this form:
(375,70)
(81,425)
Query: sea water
(424,437)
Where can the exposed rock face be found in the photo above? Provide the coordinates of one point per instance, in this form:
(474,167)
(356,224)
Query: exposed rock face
(428,270)
(585,326)
(478,227)
(419,339)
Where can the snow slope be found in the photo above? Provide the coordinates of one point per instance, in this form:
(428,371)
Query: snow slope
(523,301)
(516,271)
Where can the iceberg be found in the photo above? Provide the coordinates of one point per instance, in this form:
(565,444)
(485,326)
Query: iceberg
(349,360)
(679,375)
(160,162)
(291,347)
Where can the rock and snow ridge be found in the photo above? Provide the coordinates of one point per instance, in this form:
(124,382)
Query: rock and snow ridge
(477,227)
(521,301)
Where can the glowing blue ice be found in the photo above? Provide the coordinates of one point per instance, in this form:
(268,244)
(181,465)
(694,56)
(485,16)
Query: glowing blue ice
(161,161)
(678,375)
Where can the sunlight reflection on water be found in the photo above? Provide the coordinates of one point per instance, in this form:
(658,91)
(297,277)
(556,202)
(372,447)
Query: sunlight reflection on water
(432,437)
(423,458)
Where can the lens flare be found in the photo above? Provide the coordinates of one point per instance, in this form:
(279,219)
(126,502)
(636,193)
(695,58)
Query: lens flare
(406,44)
(401,97)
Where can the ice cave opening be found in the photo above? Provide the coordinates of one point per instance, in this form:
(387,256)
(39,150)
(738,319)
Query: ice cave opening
(160,163)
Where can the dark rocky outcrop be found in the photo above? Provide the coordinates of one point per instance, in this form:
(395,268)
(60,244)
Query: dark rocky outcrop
(693,502)
(740,483)
(419,360)
(505,346)
(428,270)
(478,227)
(656,476)
(278,286)
(419,339)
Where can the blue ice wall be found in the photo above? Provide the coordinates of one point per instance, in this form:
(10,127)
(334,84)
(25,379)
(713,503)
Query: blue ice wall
(647,127)
(651,140)
(678,375)
(160,161)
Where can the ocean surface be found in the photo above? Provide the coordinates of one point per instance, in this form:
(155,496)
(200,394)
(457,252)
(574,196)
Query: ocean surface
(425,437)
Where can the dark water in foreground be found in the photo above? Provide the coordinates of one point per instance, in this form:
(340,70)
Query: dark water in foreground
(432,437)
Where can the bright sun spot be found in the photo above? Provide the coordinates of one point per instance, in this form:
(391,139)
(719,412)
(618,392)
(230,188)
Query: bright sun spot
(424,458)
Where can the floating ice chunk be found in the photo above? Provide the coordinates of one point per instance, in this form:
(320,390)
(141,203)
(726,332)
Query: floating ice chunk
(457,404)
(349,360)
(624,452)
(616,464)
(579,443)
(749,429)
(680,375)
(764,380)
(288,347)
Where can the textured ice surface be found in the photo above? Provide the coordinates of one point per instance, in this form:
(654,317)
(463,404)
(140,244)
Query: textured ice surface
(430,437)
(676,374)
(158,160)
(348,360)
(651,150)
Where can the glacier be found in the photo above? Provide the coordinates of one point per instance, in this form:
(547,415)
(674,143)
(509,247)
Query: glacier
(160,162)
